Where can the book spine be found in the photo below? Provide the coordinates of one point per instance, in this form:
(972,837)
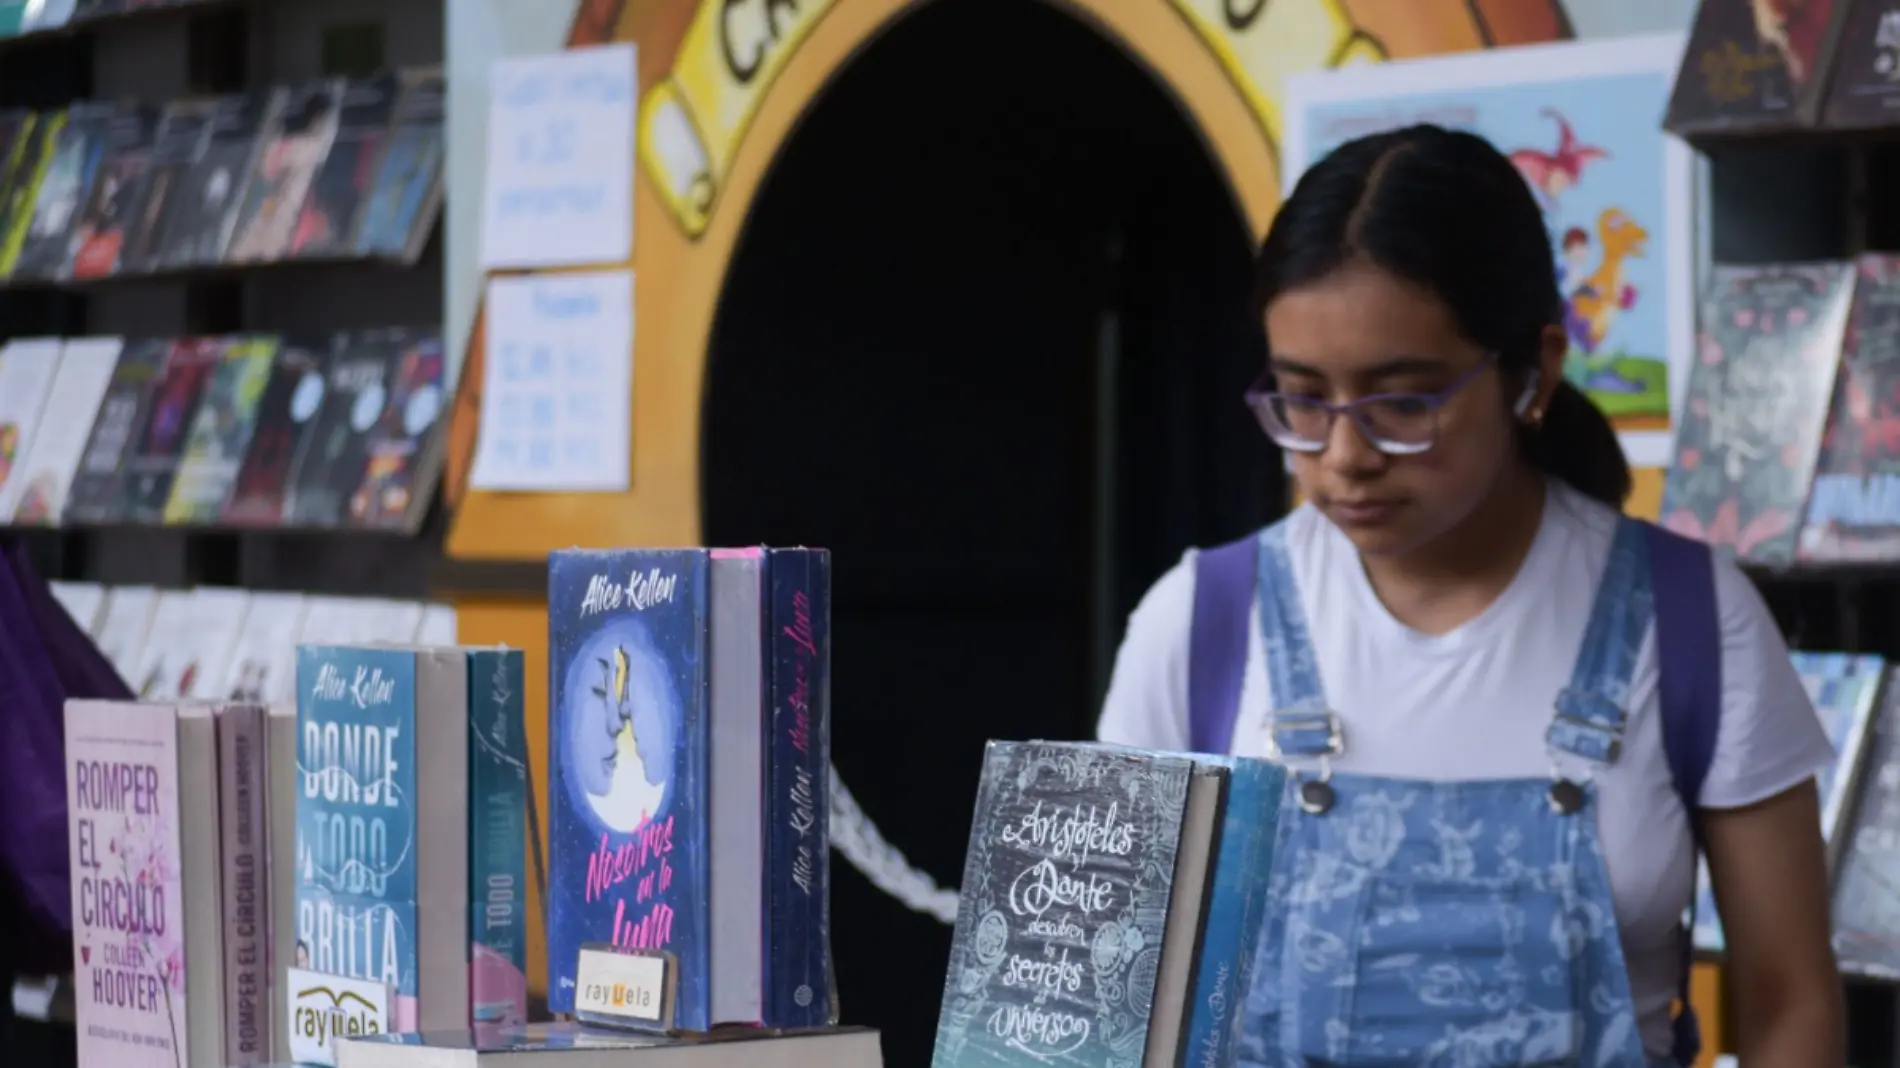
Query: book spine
(1236,906)
(498,801)
(798,799)
(242,828)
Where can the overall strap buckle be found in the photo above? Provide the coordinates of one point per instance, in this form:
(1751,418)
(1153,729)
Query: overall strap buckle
(1587,725)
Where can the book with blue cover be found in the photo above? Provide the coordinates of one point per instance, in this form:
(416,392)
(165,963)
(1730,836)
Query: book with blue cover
(497,838)
(627,811)
(799,983)
(357,912)
(1236,910)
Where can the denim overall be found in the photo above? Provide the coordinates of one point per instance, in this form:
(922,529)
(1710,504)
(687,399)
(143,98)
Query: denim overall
(1445,924)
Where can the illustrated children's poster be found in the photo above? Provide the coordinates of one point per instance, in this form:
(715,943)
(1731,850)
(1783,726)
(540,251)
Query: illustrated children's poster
(1581,120)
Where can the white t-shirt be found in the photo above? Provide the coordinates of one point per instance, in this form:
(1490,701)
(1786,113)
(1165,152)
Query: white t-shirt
(1474,704)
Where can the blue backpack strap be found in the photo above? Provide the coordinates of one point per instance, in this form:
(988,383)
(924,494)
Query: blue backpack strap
(1217,643)
(1689,662)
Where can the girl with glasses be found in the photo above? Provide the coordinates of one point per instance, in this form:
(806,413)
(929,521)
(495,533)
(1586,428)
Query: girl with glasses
(1501,768)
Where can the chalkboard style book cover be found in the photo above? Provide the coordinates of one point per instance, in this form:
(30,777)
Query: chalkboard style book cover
(384,824)
(1111,902)
(628,805)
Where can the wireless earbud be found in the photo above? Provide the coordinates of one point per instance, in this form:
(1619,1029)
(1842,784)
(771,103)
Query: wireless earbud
(1530,394)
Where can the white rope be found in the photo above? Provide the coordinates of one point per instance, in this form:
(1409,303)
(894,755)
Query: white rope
(858,839)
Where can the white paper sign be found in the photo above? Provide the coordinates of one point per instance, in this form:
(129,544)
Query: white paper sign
(559,185)
(325,1009)
(557,384)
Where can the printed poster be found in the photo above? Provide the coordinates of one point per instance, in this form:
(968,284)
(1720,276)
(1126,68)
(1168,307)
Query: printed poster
(1582,121)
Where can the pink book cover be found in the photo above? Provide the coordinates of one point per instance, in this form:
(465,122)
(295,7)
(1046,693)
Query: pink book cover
(241,829)
(128,909)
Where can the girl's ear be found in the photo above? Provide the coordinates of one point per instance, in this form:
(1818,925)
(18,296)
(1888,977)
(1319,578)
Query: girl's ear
(1553,345)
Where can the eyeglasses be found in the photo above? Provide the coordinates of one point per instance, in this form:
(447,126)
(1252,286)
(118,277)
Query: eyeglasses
(1397,424)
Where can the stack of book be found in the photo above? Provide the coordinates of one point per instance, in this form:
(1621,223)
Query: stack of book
(250,431)
(375,830)
(219,643)
(1096,867)
(333,169)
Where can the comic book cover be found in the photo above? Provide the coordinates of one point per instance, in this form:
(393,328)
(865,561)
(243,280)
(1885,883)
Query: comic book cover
(1753,66)
(180,142)
(65,187)
(327,225)
(404,451)
(407,190)
(1767,356)
(267,221)
(198,229)
(99,234)
(221,431)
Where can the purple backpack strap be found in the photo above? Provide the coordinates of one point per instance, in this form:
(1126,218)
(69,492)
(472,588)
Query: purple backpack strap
(1689,662)
(1217,646)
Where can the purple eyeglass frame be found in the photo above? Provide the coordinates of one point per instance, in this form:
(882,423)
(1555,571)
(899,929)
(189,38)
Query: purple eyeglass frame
(1259,401)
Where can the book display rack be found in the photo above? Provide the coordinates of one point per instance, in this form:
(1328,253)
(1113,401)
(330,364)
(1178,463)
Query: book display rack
(223,389)
(1796,479)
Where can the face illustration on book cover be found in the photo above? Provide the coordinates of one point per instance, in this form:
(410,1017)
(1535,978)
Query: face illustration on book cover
(127,937)
(284,173)
(1752,421)
(100,232)
(628,650)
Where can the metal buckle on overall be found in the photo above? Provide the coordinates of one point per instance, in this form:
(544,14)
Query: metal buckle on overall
(1319,735)
(1587,725)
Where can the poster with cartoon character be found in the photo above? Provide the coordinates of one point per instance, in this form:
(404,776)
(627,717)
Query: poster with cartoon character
(1582,123)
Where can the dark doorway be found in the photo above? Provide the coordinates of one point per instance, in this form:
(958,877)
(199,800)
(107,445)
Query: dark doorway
(984,337)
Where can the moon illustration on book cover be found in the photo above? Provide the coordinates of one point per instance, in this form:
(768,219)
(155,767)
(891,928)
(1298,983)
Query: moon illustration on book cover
(621,726)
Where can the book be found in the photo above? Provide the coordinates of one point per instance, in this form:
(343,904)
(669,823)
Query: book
(199,223)
(1754,67)
(70,171)
(1864,85)
(800,990)
(1854,497)
(243,814)
(84,602)
(1066,889)
(191,635)
(1749,431)
(126,624)
(627,805)
(404,455)
(177,147)
(147,934)
(383,823)
(27,369)
(160,441)
(739,604)
(326,226)
(221,430)
(97,492)
(286,414)
(335,453)
(267,221)
(23,187)
(406,192)
(1866,913)
(497,789)
(100,233)
(86,367)
(262,666)
(1845,689)
(1236,911)
(570,1046)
